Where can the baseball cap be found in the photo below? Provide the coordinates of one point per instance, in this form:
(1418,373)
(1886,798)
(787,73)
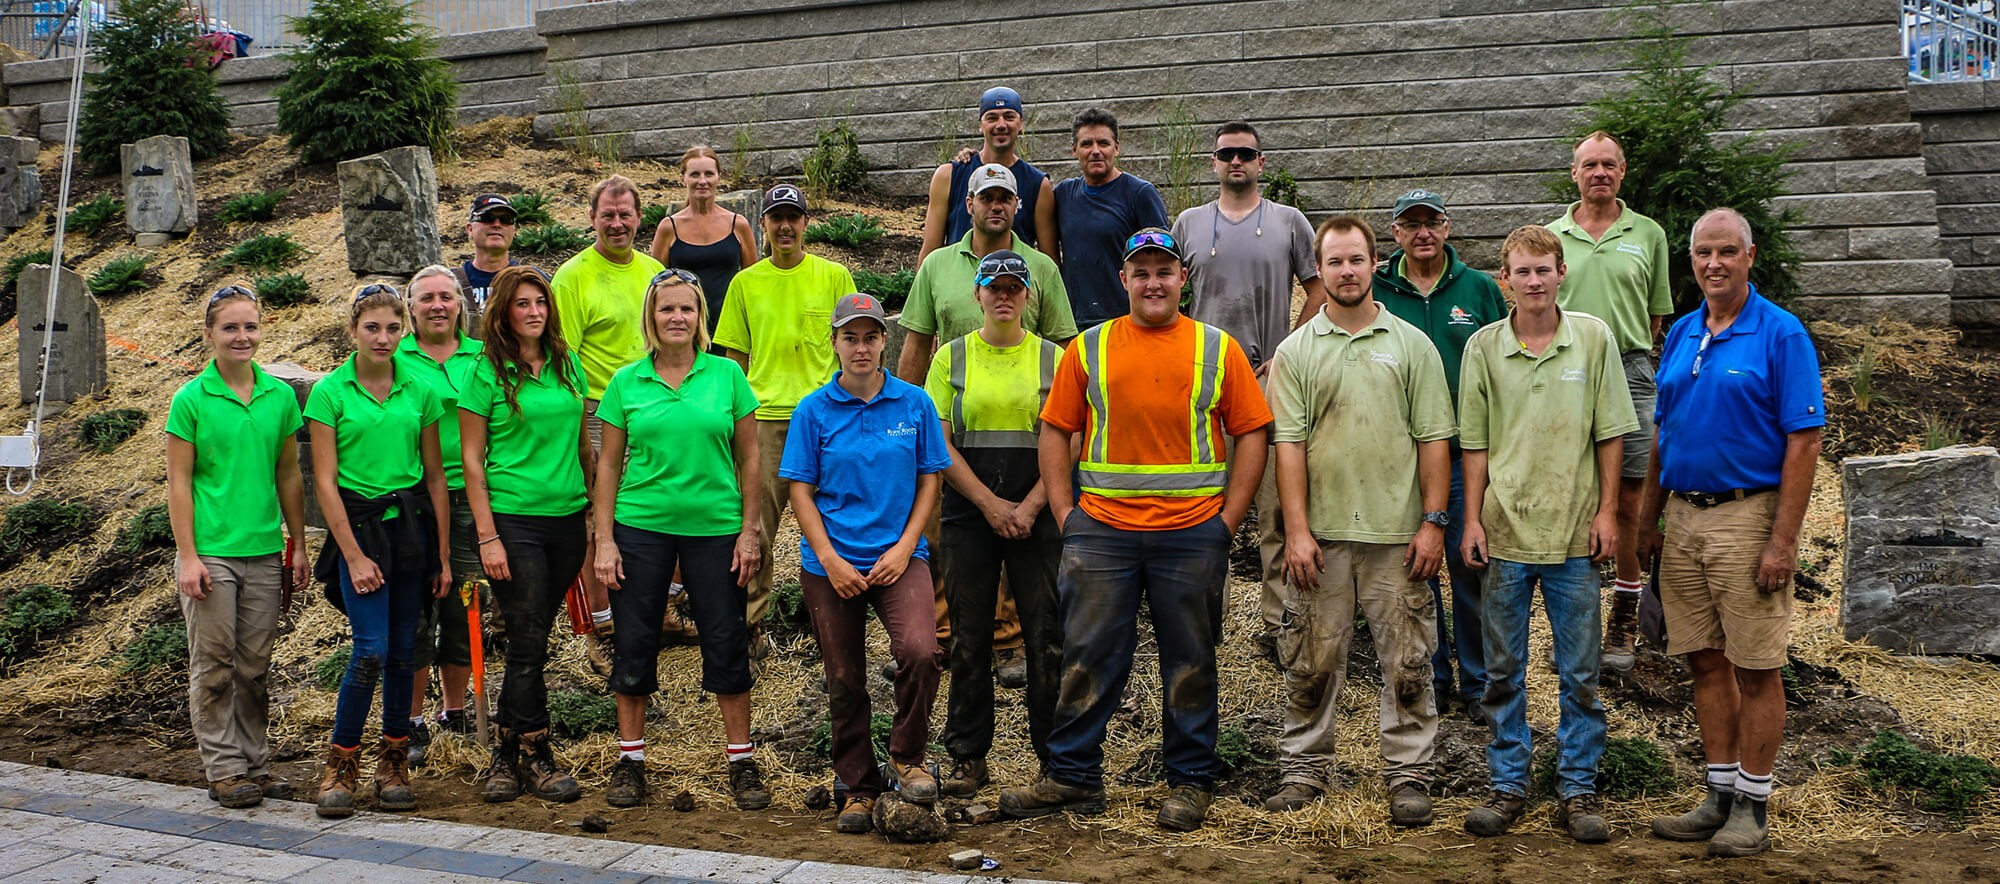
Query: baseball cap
(1153,238)
(784,195)
(1000,97)
(990,176)
(1005,262)
(1429,199)
(486,204)
(857,306)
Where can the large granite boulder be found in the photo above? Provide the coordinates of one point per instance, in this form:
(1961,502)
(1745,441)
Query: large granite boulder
(388,202)
(159,188)
(1923,551)
(20,182)
(301,380)
(76,347)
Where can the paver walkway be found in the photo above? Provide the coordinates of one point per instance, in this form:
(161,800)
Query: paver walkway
(66,826)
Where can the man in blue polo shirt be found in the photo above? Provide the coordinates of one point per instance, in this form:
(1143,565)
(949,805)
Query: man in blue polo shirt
(1739,416)
(1000,125)
(1094,215)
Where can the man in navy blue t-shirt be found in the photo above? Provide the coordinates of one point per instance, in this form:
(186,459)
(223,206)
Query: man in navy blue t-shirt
(1094,216)
(1000,126)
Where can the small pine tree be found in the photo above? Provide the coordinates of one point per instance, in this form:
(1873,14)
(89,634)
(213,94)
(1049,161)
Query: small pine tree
(154,82)
(364,80)
(1667,116)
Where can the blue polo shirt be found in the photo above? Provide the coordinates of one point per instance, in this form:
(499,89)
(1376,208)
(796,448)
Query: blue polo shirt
(1725,428)
(864,458)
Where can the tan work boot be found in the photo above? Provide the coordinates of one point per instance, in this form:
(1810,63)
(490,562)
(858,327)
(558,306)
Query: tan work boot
(392,775)
(273,787)
(914,782)
(1291,797)
(746,785)
(597,647)
(967,777)
(857,816)
(1186,809)
(1501,810)
(539,776)
(1621,649)
(1583,816)
(1049,796)
(1410,804)
(340,776)
(502,784)
(236,791)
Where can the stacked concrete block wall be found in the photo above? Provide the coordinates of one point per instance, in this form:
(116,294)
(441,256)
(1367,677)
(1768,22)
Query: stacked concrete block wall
(1961,123)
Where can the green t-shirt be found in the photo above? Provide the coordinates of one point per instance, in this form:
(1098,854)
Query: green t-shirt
(598,303)
(783,319)
(445,379)
(942,300)
(378,441)
(1360,403)
(236,449)
(532,465)
(680,477)
(1539,418)
(1621,279)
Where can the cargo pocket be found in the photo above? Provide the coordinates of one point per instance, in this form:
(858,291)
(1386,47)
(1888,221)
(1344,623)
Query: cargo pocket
(1293,635)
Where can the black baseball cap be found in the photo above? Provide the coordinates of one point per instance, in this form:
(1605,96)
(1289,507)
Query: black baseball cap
(784,195)
(486,205)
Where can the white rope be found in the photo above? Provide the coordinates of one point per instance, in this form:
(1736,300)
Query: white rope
(56,257)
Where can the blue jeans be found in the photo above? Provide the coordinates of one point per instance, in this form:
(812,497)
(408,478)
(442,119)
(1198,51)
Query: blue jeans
(1105,571)
(1466,640)
(1569,592)
(384,623)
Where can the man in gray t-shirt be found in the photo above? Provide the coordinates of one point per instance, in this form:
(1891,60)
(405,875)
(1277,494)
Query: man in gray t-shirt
(1244,251)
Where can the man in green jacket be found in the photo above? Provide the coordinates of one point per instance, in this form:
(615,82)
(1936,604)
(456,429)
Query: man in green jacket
(1425,284)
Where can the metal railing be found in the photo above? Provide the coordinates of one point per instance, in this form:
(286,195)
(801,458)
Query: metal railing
(47,28)
(1946,40)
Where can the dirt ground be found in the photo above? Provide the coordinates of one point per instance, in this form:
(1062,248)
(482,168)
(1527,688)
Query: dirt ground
(67,704)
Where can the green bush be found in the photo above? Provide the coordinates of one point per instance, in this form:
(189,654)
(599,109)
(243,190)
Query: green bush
(247,207)
(92,217)
(154,81)
(787,611)
(531,208)
(851,231)
(269,251)
(19,263)
(650,218)
(283,290)
(834,165)
(149,527)
(1668,115)
(104,430)
(39,518)
(329,671)
(30,612)
(364,79)
(160,648)
(892,288)
(573,714)
(127,274)
(880,725)
(1281,187)
(1942,784)
(1234,749)
(553,238)
(1633,767)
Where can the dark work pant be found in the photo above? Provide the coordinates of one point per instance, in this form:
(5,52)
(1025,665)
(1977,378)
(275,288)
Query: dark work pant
(1464,641)
(970,557)
(908,611)
(640,604)
(385,644)
(1105,570)
(544,556)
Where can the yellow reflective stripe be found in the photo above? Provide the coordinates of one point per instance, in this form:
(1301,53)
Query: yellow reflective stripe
(1094,392)
(957,383)
(1207,391)
(995,439)
(1151,478)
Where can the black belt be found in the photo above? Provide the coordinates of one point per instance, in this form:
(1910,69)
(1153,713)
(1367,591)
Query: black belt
(1704,500)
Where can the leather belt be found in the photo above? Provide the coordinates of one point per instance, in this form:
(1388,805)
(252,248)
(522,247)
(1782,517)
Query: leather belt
(1704,500)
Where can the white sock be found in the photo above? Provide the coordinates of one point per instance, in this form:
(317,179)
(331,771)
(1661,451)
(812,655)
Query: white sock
(675,589)
(737,751)
(1722,777)
(632,749)
(1752,786)
(601,617)
(417,720)
(1626,585)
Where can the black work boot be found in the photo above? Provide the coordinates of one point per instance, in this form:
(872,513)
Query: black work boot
(501,782)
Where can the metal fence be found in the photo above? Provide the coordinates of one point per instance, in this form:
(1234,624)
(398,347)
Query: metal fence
(1946,40)
(48,28)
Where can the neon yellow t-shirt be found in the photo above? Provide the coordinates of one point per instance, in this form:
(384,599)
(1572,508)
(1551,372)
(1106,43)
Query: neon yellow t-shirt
(783,319)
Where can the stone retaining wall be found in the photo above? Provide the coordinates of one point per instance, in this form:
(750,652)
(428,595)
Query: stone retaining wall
(1961,123)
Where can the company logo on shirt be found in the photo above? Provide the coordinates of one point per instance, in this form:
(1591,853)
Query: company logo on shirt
(1460,317)
(1384,358)
(1573,374)
(902,428)
(1631,248)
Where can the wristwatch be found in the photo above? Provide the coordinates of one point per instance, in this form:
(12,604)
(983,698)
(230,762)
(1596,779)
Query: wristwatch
(1438,518)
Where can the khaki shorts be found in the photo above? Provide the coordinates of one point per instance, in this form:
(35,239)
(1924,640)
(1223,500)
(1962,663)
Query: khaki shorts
(1708,582)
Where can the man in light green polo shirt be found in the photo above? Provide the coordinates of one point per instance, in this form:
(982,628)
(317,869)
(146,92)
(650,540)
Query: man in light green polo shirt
(1617,261)
(1541,412)
(774,323)
(1364,423)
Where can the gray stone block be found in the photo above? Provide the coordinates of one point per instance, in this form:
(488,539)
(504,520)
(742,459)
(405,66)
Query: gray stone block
(1922,570)
(388,205)
(24,121)
(75,334)
(1912,276)
(1821,243)
(1892,243)
(20,182)
(1976,188)
(1981,126)
(1847,209)
(1948,159)
(1975,282)
(1854,41)
(1940,98)
(1864,109)
(1857,176)
(1983,313)
(1927,308)
(1969,220)
(159,185)
(499,41)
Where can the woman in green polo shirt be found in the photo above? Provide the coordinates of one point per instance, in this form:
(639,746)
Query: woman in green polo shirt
(439,354)
(233,491)
(526,456)
(687,497)
(379,474)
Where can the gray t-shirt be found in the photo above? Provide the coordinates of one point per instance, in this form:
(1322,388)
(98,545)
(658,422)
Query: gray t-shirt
(1242,271)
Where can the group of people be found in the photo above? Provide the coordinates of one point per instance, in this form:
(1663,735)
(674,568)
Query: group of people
(1058,441)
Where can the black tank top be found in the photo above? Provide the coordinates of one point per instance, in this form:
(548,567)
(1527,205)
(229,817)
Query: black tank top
(714,264)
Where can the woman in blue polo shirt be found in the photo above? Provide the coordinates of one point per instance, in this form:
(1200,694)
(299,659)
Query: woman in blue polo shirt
(863,455)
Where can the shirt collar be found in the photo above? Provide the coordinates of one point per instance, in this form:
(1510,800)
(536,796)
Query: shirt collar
(1324,325)
(891,389)
(410,345)
(1565,335)
(649,371)
(346,373)
(1748,321)
(213,384)
(965,245)
(1624,223)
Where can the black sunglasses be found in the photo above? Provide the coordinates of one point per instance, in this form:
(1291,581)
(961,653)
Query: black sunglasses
(230,291)
(1237,154)
(378,288)
(672,273)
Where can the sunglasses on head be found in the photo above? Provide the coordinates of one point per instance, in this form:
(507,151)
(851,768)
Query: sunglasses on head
(1149,238)
(230,291)
(379,288)
(673,274)
(1237,154)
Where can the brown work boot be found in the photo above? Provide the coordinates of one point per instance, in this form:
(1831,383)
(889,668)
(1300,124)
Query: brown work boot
(628,784)
(1186,809)
(1010,668)
(1583,816)
(340,776)
(392,775)
(746,785)
(1747,833)
(857,816)
(597,648)
(676,627)
(1699,824)
(1291,797)
(1621,649)
(1409,804)
(502,784)
(914,782)
(236,791)
(1493,817)
(966,778)
(1049,796)
(273,787)
(538,773)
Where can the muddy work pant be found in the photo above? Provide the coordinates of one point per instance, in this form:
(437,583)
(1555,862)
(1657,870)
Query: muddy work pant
(1105,572)
(229,662)
(1313,638)
(774,495)
(544,556)
(969,559)
(841,627)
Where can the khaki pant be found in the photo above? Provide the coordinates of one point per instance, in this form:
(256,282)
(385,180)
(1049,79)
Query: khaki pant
(775,496)
(1708,582)
(229,662)
(1314,633)
(1271,544)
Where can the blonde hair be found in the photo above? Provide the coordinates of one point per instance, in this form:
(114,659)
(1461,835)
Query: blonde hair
(242,292)
(386,297)
(613,186)
(651,333)
(457,294)
(1530,239)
